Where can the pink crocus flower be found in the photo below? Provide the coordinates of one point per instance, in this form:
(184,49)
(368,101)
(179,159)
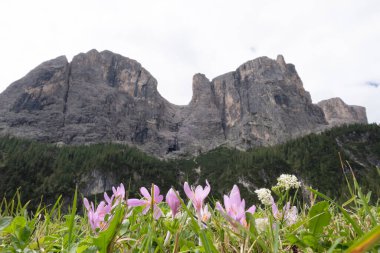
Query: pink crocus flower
(197,195)
(288,214)
(118,195)
(108,199)
(148,200)
(119,192)
(96,217)
(235,206)
(173,202)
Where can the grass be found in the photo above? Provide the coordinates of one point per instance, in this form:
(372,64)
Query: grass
(321,225)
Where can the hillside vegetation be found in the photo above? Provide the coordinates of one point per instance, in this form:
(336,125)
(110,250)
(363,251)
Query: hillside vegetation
(45,169)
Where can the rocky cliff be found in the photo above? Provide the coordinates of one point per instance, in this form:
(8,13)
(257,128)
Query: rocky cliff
(338,112)
(103,97)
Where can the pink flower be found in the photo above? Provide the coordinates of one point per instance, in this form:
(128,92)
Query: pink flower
(288,214)
(198,195)
(235,206)
(173,202)
(108,199)
(118,195)
(96,218)
(119,192)
(147,201)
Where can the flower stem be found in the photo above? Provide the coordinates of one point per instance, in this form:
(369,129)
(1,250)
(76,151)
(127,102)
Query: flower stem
(200,227)
(167,237)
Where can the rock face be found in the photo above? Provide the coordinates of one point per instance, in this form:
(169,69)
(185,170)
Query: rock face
(103,97)
(338,112)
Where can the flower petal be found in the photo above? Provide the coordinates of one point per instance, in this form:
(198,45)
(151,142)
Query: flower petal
(156,212)
(156,191)
(158,199)
(135,202)
(86,204)
(198,191)
(145,193)
(242,205)
(235,196)
(207,190)
(188,191)
(275,211)
(107,198)
(252,209)
(219,207)
(146,209)
(122,189)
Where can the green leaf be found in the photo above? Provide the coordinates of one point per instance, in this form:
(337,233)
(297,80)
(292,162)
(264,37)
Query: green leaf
(344,212)
(352,221)
(310,240)
(335,244)
(124,227)
(105,238)
(253,233)
(365,202)
(23,233)
(72,220)
(5,222)
(275,231)
(319,217)
(293,239)
(17,223)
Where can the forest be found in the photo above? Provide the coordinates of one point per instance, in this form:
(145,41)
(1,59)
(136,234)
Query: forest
(43,171)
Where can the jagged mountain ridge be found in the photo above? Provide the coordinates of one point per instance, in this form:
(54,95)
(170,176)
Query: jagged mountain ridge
(102,97)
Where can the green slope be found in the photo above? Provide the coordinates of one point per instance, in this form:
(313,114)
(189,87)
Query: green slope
(44,169)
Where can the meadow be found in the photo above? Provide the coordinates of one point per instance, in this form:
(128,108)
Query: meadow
(289,217)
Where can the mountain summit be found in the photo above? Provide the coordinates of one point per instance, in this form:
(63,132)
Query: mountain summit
(105,97)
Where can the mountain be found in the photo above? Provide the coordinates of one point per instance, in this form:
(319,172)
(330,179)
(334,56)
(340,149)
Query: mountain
(105,97)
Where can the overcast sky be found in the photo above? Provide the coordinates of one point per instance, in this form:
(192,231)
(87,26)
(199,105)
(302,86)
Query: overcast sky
(335,45)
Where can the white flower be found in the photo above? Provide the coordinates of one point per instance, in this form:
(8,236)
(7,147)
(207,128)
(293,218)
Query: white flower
(288,181)
(264,196)
(261,224)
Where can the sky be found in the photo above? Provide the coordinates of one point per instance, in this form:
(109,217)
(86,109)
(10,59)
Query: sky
(333,44)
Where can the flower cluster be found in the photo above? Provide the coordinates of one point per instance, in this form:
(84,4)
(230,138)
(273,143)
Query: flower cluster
(99,218)
(287,182)
(197,196)
(261,224)
(265,196)
(234,209)
(288,214)
(149,200)
(235,206)
(173,202)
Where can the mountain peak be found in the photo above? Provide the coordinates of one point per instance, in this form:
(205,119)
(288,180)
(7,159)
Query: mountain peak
(106,97)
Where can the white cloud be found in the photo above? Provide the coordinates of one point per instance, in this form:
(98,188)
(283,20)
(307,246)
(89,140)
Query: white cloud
(334,44)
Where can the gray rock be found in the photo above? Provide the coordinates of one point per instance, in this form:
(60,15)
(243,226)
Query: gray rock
(105,97)
(33,107)
(338,112)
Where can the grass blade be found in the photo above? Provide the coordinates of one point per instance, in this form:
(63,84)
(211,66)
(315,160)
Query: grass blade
(72,220)
(366,242)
